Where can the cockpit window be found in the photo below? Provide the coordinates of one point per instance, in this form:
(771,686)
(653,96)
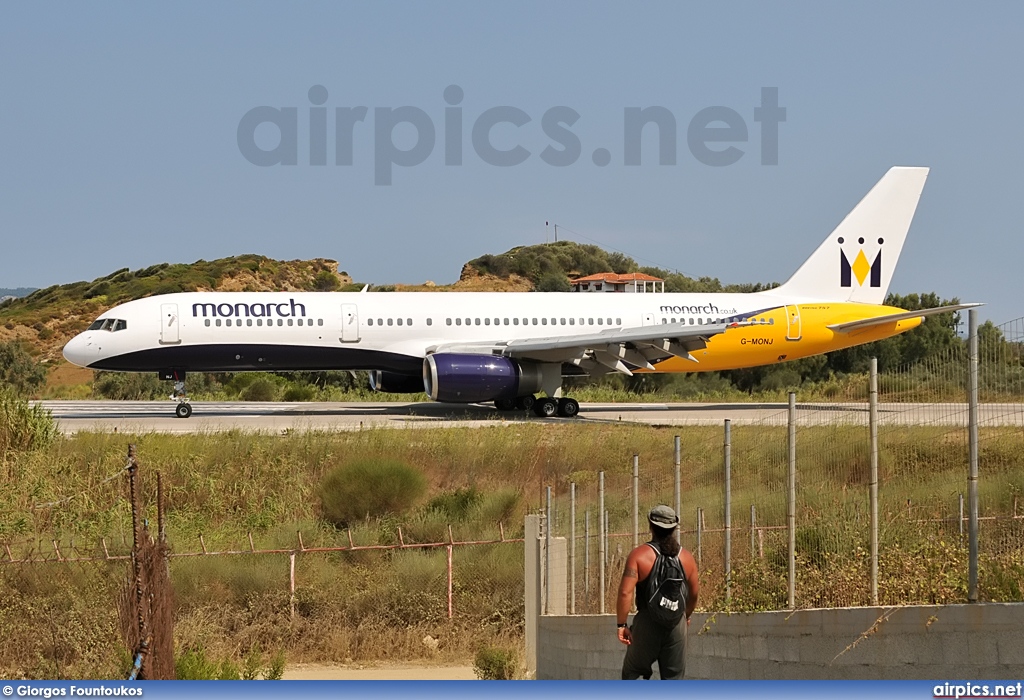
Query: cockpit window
(108,324)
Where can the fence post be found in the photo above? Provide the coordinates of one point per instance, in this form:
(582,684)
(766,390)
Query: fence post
(972,482)
(960,498)
(547,551)
(678,473)
(873,483)
(572,548)
(133,493)
(791,500)
(728,509)
(602,538)
(636,500)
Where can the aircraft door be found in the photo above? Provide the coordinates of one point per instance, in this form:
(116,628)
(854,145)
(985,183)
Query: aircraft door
(169,324)
(793,329)
(349,323)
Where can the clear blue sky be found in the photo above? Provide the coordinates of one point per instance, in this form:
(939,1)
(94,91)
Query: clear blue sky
(119,134)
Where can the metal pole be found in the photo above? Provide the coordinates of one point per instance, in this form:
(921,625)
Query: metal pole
(602,545)
(727,451)
(972,482)
(636,500)
(791,500)
(572,548)
(873,483)
(547,552)
(679,483)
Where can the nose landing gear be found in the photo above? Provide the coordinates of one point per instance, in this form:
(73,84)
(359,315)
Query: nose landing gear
(184,408)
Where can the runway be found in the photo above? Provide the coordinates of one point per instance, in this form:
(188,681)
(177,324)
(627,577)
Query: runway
(158,416)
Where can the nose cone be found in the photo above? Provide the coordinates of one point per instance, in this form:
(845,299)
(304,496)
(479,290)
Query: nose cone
(80,351)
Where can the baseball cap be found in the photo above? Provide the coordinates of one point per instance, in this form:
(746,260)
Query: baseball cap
(663,517)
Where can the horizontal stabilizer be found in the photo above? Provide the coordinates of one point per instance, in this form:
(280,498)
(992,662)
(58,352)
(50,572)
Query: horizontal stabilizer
(890,318)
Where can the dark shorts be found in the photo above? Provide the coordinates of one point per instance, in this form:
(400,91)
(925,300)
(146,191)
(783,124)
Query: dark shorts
(652,642)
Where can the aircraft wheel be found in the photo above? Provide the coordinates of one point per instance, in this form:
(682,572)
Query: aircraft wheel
(183,410)
(504,404)
(525,403)
(546,407)
(568,408)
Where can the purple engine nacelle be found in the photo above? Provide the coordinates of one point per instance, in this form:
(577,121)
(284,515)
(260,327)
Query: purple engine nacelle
(470,378)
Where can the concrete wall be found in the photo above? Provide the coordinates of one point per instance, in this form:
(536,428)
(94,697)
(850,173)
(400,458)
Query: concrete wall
(915,642)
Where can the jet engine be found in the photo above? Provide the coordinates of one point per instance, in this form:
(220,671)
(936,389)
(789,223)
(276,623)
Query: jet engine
(458,378)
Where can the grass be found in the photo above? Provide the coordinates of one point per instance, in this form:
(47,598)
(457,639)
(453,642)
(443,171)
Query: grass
(375,605)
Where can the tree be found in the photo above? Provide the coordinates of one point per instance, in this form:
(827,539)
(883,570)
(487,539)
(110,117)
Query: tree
(554,282)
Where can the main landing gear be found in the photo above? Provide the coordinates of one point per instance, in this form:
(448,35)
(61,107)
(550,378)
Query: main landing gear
(544,407)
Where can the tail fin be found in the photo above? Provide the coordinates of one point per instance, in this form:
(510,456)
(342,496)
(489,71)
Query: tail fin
(856,261)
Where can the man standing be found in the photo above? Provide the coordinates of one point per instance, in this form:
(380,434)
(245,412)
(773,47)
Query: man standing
(655,635)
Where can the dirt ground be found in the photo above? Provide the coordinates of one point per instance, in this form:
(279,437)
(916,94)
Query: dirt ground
(405,672)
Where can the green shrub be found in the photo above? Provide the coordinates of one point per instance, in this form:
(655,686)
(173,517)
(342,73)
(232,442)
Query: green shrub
(455,505)
(23,427)
(262,389)
(129,386)
(496,664)
(299,392)
(370,488)
(19,370)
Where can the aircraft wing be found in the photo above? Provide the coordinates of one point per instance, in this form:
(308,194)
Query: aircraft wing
(613,349)
(879,320)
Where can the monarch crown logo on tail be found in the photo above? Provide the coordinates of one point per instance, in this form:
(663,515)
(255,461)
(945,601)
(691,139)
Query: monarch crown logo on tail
(860,268)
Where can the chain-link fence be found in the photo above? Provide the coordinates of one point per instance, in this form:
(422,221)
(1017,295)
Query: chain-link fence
(739,520)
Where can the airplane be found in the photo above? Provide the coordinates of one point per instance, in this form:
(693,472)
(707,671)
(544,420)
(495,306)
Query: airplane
(506,347)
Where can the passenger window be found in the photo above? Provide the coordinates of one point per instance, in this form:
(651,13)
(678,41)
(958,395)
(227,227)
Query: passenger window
(600,321)
(562,321)
(289,322)
(515,322)
(618,321)
(319,322)
(487,321)
(217,322)
(280,322)
(447,321)
(259,322)
(391,322)
(458,322)
(399,321)
(248,321)
(408,322)
(544,322)
(590,321)
(572,322)
(207,322)
(469,322)
(609,322)
(478,322)
(369,321)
